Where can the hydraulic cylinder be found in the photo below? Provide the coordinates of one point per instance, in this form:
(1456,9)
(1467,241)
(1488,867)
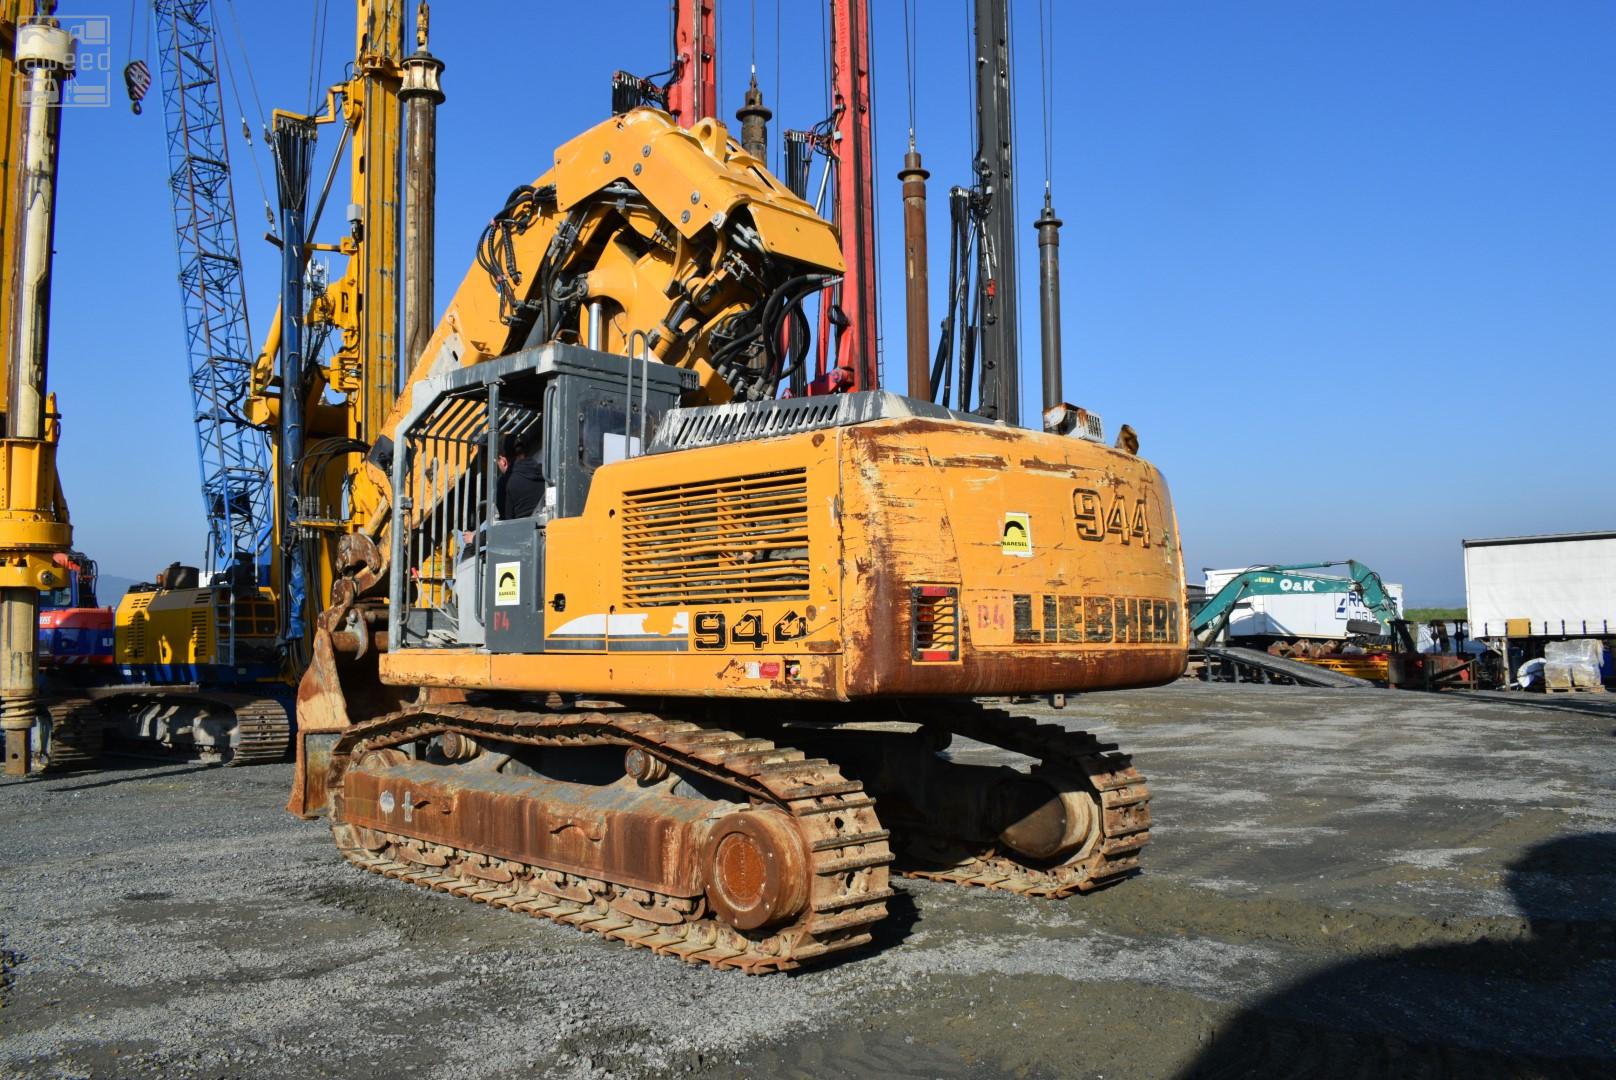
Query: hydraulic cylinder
(421,93)
(1048,226)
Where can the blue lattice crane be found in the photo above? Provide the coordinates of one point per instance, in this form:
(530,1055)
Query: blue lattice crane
(233,455)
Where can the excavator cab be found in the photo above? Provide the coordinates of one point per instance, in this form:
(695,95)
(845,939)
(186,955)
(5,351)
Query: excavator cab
(463,576)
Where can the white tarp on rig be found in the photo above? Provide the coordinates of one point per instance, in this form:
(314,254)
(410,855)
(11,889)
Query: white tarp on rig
(1563,586)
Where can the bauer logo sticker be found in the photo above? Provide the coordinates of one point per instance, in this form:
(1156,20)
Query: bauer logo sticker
(1015,537)
(507,584)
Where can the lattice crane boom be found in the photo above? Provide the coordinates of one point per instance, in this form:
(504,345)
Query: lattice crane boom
(232,454)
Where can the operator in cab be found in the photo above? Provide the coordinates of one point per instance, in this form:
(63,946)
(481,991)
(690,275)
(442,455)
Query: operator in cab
(523,491)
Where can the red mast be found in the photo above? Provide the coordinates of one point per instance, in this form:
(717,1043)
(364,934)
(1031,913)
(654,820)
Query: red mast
(855,192)
(694,93)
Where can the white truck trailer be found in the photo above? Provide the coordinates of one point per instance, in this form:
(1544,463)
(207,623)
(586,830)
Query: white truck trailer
(1558,586)
(1318,615)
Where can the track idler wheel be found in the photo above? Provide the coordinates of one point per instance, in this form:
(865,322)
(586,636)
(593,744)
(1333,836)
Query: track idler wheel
(1050,818)
(757,870)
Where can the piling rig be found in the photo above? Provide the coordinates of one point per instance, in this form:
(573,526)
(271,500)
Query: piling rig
(667,704)
(36,58)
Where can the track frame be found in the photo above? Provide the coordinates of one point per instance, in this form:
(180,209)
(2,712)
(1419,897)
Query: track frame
(846,846)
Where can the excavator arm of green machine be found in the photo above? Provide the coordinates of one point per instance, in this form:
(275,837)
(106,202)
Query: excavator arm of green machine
(1210,621)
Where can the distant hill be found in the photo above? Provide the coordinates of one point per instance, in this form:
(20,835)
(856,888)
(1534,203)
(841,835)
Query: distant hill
(110,589)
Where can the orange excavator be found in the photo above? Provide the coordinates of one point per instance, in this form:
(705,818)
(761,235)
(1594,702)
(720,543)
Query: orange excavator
(596,711)
(632,642)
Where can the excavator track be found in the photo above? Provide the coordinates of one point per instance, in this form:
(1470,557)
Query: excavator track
(846,849)
(1124,805)
(263,730)
(76,736)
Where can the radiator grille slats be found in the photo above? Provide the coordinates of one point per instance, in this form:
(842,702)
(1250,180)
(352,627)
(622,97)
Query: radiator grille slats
(199,628)
(687,428)
(735,540)
(133,649)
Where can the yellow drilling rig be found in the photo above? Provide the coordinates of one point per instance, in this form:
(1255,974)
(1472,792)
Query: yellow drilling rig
(193,665)
(325,409)
(613,633)
(36,57)
(198,666)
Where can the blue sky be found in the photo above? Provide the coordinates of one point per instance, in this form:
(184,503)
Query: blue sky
(1348,268)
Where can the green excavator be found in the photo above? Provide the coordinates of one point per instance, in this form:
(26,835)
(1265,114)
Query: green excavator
(1219,659)
(1208,624)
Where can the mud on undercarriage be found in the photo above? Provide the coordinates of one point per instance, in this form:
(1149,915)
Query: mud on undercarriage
(717,844)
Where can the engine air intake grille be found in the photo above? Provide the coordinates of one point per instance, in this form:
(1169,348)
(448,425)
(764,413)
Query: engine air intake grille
(743,421)
(743,538)
(739,421)
(934,612)
(132,646)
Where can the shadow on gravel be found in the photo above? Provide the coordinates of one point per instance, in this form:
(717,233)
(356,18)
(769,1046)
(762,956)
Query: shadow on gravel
(1538,1006)
(901,917)
(1588,704)
(134,770)
(902,914)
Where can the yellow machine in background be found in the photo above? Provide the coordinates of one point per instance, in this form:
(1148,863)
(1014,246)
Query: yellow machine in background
(181,625)
(174,688)
(205,668)
(324,490)
(626,594)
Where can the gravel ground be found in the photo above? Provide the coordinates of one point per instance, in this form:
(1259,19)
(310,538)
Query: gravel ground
(1347,882)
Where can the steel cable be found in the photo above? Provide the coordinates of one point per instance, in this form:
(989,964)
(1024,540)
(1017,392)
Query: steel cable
(909,32)
(1046,69)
